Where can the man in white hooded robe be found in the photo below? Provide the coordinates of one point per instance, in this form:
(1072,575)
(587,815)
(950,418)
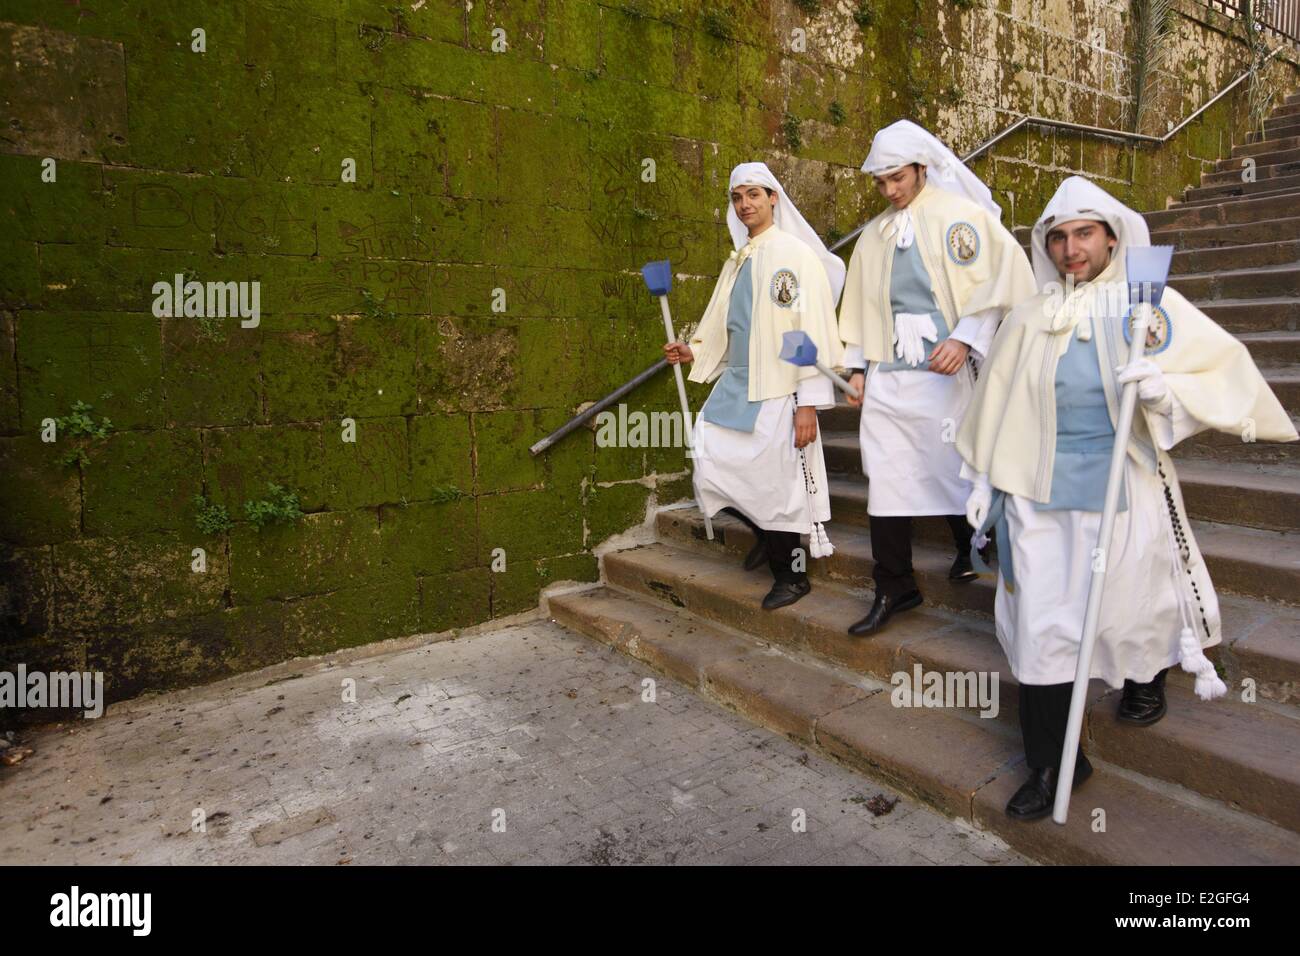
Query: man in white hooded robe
(1037,439)
(939,268)
(757,449)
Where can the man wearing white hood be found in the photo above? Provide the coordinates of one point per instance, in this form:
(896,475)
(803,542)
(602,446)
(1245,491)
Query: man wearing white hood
(939,268)
(1038,438)
(757,449)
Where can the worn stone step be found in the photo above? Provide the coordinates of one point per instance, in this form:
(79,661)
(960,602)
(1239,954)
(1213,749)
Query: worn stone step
(1246,256)
(1270,349)
(1265,169)
(1227,213)
(1220,446)
(799,698)
(1286,109)
(1201,195)
(1291,99)
(1278,281)
(1280,144)
(1211,235)
(1282,126)
(1288,153)
(1261,638)
(1264,316)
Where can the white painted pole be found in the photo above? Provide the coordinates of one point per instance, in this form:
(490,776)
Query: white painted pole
(1141,319)
(839,382)
(687,429)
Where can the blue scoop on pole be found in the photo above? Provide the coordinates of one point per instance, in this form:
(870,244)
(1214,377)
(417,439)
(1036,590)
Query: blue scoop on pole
(798,348)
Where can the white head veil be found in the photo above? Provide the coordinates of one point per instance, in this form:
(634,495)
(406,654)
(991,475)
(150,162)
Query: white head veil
(1078,198)
(786,218)
(902,143)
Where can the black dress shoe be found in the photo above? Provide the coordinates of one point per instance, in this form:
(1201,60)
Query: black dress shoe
(882,610)
(785,592)
(1036,797)
(1143,704)
(961,569)
(757,555)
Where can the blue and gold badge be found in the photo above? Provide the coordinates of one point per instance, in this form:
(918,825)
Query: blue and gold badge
(1159,335)
(963,243)
(785,288)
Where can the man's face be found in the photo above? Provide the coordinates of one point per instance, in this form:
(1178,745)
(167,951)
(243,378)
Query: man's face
(1080,248)
(901,186)
(754,206)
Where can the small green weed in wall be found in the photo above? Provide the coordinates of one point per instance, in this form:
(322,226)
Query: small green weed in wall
(790,127)
(865,14)
(718,22)
(440,494)
(836,110)
(280,506)
(211,518)
(80,424)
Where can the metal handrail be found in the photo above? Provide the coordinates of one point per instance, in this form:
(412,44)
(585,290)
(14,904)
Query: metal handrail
(1098,131)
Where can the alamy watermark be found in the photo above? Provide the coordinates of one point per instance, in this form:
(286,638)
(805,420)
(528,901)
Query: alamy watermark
(64,690)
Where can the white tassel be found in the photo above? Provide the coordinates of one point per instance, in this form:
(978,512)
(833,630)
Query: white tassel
(1084,329)
(819,545)
(1193,660)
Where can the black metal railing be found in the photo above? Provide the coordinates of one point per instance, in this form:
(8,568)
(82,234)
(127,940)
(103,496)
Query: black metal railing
(1278,17)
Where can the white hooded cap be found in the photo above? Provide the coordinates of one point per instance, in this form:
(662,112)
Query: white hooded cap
(903,143)
(786,218)
(1078,198)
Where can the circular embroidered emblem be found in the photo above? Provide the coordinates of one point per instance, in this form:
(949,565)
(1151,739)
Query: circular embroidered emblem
(1159,335)
(963,243)
(785,288)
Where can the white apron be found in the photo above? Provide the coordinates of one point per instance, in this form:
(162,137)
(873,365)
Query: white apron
(1040,625)
(761,473)
(907,434)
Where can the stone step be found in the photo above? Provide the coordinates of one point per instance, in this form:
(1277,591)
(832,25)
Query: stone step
(1264,316)
(1265,169)
(1282,126)
(1279,144)
(1291,99)
(1201,195)
(1243,614)
(1214,235)
(1271,349)
(1277,281)
(1286,109)
(1227,213)
(1249,759)
(1246,256)
(1232,493)
(1230,449)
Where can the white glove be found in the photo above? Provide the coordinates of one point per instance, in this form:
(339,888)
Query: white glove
(909,330)
(977,505)
(1152,387)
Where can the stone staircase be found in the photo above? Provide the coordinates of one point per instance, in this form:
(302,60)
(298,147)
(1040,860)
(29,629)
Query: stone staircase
(1210,783)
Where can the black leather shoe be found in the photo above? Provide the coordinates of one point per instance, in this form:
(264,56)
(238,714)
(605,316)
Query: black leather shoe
(1036,797)
(757,555)
(785,592)
(961,569)
(1143,704)
(882,610)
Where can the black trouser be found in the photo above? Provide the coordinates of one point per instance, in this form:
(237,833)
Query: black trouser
(1044,712)
(780,547)
(891,550)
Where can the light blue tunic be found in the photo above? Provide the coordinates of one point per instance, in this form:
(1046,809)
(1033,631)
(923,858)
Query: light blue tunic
(1084,433)
(728,404)
(910,290)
